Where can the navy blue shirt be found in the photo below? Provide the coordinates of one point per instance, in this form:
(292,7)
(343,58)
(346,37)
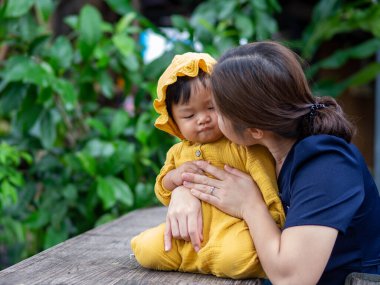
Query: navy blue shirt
(325,181)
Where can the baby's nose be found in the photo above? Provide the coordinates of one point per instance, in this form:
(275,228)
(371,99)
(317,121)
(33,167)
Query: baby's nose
(205,118)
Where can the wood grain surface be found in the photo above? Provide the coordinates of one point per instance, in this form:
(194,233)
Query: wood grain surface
(102,256)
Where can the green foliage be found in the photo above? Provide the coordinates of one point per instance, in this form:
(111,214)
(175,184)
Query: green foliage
(339,18)
(77,109)
(11,181)
(220,25)
(10,177)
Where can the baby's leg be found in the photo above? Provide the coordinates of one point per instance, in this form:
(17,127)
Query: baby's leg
(149,251)
(237,257)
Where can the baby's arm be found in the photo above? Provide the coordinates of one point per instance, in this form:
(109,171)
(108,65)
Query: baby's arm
(173,178)
(169,177)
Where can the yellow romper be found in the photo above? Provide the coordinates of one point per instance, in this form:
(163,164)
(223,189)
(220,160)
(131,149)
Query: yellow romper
(227,249)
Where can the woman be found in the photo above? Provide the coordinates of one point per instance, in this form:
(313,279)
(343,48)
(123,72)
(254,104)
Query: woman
(331,200)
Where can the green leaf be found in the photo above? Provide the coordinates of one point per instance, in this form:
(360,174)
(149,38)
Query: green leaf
(106,84)
(59,214)
(365,75)
(106,192)
(16,179)
(132,63)
(72,21)
(88,163)
(21,68)
(259,4)
(180,22)
(99,148)
(11,98)
(8,194)
(37,219)
(106,218)
(45,129)
(99,126)
(90,31)
(124,44)
(265,25)
(244,25)
(70,192)
(339,58)
(122,191)
(13,232)
(66,91)
(44,96)
(45,8)
(119,123)
(28,114)
(17,8)
(144,194)
(275,5)
(228,9)
(125,22)
(61,54)
(48,131)
(27,157)
(324,9)
(55,236)
(123,156)
(143,128)
(121,7)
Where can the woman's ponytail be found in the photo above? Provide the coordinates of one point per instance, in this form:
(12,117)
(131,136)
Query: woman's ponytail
(327,117)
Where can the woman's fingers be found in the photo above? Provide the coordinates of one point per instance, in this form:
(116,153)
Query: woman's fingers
(175,229)
(193,232)
(235,171)
(183,225)
(190,179)
(168,235)
(208,168)
(202,195)
(200,226)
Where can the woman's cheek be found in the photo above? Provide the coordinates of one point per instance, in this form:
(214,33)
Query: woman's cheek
(222,127)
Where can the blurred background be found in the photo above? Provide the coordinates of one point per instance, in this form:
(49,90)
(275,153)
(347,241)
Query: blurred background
(77,78)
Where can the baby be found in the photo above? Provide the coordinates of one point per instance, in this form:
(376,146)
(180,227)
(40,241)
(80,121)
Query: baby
(186,110)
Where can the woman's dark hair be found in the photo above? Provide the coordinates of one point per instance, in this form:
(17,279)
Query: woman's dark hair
(180,91)
(262,85)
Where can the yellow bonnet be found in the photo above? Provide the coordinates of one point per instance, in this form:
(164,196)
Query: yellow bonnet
(187,64)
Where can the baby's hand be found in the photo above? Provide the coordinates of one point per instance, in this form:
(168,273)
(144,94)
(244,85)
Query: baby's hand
(186,167)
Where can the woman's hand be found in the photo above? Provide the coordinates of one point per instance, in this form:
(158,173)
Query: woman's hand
(232,191)
(184,219)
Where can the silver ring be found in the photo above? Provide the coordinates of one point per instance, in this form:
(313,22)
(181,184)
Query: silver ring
(212,190)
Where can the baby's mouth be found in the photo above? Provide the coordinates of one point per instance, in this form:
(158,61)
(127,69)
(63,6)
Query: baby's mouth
(205,129)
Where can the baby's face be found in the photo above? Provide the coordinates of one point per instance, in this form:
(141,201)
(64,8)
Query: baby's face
(197,120)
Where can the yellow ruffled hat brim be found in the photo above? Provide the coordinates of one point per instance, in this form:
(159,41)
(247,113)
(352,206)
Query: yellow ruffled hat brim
(187,64)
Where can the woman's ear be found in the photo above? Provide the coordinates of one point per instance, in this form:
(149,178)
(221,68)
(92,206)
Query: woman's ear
(256,134)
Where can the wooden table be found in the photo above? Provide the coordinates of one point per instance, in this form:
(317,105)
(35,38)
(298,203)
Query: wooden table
(101,256)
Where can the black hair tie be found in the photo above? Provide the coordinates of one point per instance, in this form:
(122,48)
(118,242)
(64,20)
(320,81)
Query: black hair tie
(312,113)
(314,108)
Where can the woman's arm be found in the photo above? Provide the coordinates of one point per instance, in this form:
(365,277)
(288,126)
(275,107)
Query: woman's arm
(298,255)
